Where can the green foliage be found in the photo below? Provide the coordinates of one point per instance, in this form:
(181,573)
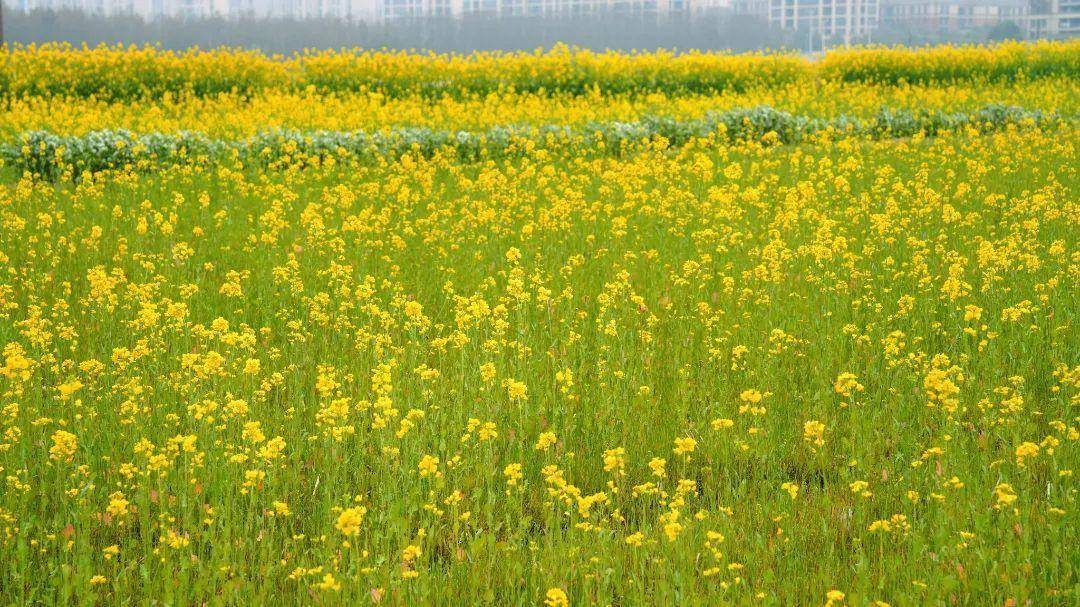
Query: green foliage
(48,154)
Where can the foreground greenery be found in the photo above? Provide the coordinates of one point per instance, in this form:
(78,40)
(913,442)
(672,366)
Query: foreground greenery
(67,156)
(734,371)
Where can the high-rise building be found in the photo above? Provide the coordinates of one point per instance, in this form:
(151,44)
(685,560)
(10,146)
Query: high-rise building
(147,9)
(828,22)
(832,21)
(389,10)
(235,9)
(373,10)
(1053,19)
(951,14)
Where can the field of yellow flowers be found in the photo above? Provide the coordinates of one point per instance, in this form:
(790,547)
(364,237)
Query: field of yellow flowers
(561,328)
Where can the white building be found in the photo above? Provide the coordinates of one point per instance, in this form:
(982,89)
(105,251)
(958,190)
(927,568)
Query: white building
(372,10)
(937,15)
(1053,19)
(144,8)
(388,10)
(833,21)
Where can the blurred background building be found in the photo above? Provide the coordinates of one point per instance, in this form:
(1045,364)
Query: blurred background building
(832,21)
(370,10)
(952,14)
(1053,18)
(809,25)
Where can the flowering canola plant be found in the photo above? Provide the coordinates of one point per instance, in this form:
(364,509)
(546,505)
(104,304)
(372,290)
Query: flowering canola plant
(763,365)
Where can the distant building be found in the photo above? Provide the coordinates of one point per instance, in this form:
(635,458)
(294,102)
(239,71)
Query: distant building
(373,10)
(143,8)
(827,22)
(834,21)
(232,9)
(1052,19)
(951,14)
(389,10)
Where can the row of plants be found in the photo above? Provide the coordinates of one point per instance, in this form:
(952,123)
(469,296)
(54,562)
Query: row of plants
(48,154)
(122,73)
(953,63)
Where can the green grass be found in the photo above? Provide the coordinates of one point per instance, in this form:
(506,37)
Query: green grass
(668,282)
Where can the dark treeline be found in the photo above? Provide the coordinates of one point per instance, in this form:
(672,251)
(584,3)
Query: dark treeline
(597,32)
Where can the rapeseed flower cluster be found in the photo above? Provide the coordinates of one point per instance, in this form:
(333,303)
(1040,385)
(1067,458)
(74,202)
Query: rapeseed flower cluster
(837,371)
